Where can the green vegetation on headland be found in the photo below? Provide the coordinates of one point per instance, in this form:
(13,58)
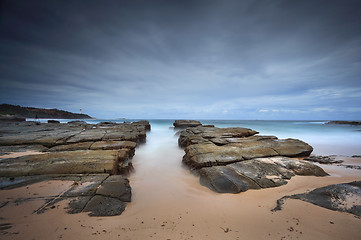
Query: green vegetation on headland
(31,112)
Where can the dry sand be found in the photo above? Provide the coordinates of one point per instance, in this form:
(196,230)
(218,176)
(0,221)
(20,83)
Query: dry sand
(169,203)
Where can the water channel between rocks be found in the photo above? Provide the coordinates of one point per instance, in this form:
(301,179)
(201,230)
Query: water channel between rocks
(160,179)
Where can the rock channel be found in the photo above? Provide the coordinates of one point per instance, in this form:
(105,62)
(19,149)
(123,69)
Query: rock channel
(97,157)
(233,160)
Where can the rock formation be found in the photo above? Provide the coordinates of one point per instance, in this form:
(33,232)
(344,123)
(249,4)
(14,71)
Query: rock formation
(70,148)
(345,197)
(186,123)
(67,150)
(233,160)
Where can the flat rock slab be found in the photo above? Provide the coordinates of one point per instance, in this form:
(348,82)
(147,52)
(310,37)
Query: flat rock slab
(96,134)
(97,145)
(98,194)
(345,197)
(208,154)
(116,186)
(50,135)
(69,162)
(204,134)
(111,145)
(86,185)
(108,200)
(255,174)
(104,206)
(186,123)
(21,148)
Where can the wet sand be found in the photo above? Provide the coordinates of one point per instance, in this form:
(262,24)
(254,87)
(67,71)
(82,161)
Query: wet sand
(169,203)
(19,154)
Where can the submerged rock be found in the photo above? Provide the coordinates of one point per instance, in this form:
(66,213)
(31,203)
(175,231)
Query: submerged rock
(323,159)
(344,197)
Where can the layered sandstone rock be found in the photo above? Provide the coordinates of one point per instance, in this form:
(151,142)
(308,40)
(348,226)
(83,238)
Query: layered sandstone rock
(66,150)
(233,160)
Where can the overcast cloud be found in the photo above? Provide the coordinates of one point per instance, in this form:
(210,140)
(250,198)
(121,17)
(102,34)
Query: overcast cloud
(184,59)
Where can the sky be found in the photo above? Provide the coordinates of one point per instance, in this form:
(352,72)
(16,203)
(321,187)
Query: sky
(200,59)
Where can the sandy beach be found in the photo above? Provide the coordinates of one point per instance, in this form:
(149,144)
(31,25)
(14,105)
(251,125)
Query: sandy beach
(169,203)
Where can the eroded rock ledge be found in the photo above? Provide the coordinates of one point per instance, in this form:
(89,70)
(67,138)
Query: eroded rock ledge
(344,197)
(233,160)
(101,150)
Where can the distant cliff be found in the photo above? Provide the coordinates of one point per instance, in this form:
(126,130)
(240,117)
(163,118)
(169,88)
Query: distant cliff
(345,122)
(30,112)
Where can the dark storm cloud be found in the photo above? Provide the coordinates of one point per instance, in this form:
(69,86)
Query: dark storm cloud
(196,59)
